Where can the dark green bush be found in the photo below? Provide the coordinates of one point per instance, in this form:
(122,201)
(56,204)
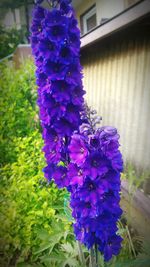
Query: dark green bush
(9,39)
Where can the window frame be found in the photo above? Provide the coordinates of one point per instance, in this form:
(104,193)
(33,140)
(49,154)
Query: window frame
(85,16)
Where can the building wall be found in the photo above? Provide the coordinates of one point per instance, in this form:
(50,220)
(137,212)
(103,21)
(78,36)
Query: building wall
(116,78)
(104,8)
(108,8)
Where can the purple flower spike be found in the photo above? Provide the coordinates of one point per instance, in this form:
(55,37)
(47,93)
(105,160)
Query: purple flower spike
(91,158)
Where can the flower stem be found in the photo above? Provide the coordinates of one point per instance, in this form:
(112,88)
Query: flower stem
(96,255)
(81,255)
(92,258)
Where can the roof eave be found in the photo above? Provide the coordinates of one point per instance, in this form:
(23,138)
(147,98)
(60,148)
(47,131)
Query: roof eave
(119,22)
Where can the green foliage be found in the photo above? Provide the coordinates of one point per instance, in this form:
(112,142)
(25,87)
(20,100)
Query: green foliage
(18,114)
(34,230)
(135,181)
(14,3)
(29,204)
(9,40)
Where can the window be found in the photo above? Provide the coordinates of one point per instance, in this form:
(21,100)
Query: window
(88,20)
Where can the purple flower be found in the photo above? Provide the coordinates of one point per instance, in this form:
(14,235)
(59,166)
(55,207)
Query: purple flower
(78,150)
(38,14)
(61,90)
(96,165)
(74,39)
(47,48)
(83,209)
(109,140)
(55,70)
(77,95)
(112,247)
(64,127)
(75,175)
(85,129)
(66,53)
(55,18)
(56,33)
(48,171)
(50,137)
(55,109)
(60,177)
(38,1)
(117,162)
(72,74)
(91,191)
(41,78)
(94,141)
(72,113)
(52,154)
(65,7)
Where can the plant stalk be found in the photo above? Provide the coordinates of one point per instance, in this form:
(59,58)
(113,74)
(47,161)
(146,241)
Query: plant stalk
(81,255)
(92,258)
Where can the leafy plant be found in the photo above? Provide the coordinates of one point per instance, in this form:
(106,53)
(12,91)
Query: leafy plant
(9,39)
(18,114)
(135,180)
(29,205)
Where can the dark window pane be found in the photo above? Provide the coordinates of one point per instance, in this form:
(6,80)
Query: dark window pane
(91,22)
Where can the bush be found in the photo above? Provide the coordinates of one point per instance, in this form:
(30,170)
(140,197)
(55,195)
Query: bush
(9,40)
(30,207)
(29,203)
(18,114)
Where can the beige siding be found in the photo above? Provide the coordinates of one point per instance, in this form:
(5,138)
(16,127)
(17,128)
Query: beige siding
(117,80)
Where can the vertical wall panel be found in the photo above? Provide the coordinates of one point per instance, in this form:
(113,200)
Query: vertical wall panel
(117,80)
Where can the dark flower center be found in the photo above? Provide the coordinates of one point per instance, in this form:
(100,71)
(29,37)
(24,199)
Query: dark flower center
(95,163)
(56,68)
(91,186)
(55,139)
(55,31)
(82,150)
(88,205)
(80,172)
(50,46)
(94,142)
(64,52)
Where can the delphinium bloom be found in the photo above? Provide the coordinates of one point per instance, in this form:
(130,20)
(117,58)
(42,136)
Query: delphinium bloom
(55,42)
(95,196)
(80,157)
